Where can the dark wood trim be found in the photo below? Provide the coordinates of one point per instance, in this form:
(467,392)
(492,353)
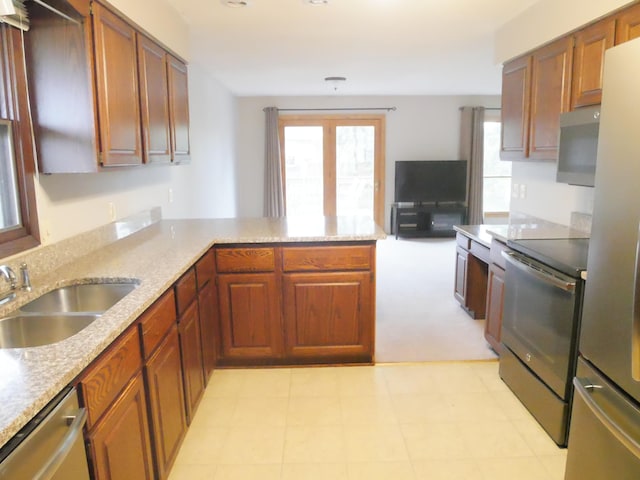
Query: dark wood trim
(15,107)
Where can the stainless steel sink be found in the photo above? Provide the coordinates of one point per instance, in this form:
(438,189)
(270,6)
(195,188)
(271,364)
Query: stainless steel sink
(90,297)
(59,314)
(20,331)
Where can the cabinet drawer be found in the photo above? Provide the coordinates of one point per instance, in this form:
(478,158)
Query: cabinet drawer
(205,269)
(156,321)
(463,241)
(479,251)
(313,259)
(245,260)
(107,376)
(186,290)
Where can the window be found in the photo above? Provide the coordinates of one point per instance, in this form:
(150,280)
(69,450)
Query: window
(333,165)
(496,172)
(18,219)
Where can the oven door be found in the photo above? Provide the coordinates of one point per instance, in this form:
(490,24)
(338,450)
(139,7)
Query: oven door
(540,321)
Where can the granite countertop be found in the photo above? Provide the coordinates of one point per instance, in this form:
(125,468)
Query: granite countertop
(521,229)
(479,233)
(155,255)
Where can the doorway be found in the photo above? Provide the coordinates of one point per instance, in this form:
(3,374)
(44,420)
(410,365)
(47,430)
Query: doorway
(333,165)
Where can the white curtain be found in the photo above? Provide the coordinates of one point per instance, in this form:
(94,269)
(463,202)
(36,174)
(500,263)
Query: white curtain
(273,188)
(472,150)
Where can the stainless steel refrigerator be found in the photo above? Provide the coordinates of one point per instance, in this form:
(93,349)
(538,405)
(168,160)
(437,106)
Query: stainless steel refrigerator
(604,437)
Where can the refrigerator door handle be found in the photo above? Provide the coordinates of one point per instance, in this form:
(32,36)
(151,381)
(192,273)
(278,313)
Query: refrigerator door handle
(629,443)
(522,263)
(635,341)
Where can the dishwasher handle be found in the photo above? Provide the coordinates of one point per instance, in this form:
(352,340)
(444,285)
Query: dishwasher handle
(50,467)
(535,269)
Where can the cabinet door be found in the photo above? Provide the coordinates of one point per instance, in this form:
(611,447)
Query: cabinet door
(120,446)
(117,88)
(166,401)
(550,96)
(495,300)
(588,62)
(628,24)
(328,315)
(250,316)
(154,101)
(208,322)
(191,349)
(516,93)
(179,110)
(460,286)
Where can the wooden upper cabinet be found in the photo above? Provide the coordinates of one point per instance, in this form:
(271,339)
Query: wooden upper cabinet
(179,110)
(550,96)
(154,101)
(117,89)
(588,62)
(516,93)
(102,93)
(628,24)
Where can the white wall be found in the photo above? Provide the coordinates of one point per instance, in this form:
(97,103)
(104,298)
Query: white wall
(70,204)
(422,128)
(546,20)
(544,197)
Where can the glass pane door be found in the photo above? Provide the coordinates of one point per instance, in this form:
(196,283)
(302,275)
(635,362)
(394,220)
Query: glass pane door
(304,170)
(355,149)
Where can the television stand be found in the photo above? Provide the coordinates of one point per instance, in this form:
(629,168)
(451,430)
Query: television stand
(427,220)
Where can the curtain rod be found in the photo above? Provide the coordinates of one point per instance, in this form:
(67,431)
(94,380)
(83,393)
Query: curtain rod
(388,109)
(486,108)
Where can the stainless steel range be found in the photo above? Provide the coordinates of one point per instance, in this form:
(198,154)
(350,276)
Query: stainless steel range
(541,322)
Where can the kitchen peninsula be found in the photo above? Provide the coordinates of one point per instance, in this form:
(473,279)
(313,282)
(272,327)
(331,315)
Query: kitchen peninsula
(306,260)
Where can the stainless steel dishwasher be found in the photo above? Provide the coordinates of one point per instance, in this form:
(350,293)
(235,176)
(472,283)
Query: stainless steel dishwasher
(50,446)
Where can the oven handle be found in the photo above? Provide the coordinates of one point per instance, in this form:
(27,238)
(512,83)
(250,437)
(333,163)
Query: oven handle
(520,262)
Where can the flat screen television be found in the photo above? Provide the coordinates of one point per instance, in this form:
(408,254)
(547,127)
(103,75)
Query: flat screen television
(427,181)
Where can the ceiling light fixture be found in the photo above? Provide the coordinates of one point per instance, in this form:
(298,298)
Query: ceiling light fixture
(316,3)
(235,3)
(335,82)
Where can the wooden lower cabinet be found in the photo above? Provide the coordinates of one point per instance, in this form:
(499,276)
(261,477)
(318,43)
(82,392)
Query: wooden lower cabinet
(191,351)
(250,316)
(119,443)
(207,305)
(460,285)
(328,315)
(296,303)
(163,374)
(495,301)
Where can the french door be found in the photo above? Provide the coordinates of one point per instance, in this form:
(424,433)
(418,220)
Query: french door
(333,165)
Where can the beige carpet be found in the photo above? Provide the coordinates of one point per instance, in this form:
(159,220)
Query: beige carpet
(418,318)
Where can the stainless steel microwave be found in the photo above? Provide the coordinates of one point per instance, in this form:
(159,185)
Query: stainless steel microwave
(578,146)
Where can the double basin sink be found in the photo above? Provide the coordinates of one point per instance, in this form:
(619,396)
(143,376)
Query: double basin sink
(60,313)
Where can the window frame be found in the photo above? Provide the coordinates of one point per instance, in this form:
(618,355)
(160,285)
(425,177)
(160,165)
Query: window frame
(329,123)
(14,106)
(493,115)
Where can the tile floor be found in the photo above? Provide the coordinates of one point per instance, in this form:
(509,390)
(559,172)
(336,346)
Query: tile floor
(436,421)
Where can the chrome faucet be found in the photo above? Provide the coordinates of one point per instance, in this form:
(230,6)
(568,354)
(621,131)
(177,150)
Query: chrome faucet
(10,277)
(26,280)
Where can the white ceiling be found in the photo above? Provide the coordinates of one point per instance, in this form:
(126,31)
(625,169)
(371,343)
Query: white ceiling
(383,47)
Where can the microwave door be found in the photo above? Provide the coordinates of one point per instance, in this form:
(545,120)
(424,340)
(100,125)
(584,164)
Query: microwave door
(610,334)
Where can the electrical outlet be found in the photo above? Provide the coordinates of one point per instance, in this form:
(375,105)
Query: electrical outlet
(170,195)
(111,209)
(523,190)
(515,190)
